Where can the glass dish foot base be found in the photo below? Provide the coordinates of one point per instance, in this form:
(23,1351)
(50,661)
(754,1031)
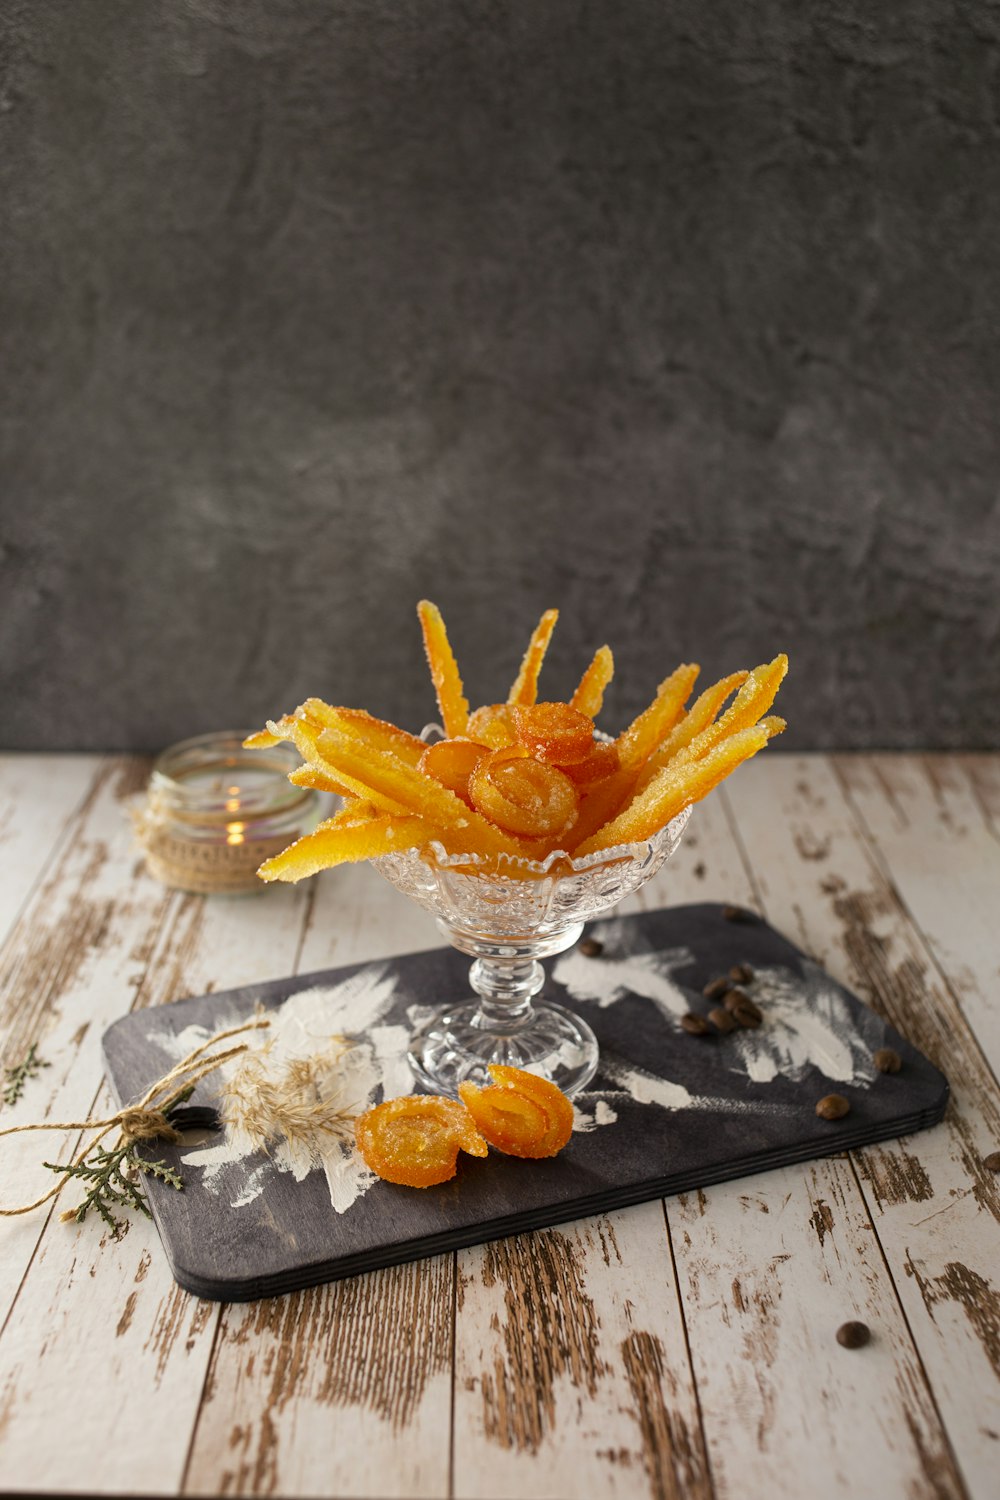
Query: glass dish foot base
(453,1048)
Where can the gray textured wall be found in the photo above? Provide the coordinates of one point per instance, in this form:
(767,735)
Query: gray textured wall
(680,316)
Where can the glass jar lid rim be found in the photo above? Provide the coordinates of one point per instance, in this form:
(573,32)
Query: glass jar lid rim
(223,750)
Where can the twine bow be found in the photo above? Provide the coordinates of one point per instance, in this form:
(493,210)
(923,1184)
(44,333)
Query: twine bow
(147,1119)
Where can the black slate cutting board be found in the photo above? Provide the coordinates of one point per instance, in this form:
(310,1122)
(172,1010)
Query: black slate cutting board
(667,1112)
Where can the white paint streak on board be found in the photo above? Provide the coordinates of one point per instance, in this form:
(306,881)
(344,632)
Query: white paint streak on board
(606,982)
(302,1028)
(807,1024)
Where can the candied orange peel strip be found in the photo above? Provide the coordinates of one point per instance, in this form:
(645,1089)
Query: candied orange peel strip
(640,739)
(316,781)
(752,701)
(520,779)
(415,1140)
(698,717)
(521,1114)
(343,843)
(589,696)
(378,733)
(525,686)
(444,670)
(384,775)
(679,784)
(305,737)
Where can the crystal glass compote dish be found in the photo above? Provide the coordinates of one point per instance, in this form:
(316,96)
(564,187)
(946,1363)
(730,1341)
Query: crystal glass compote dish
(508,914)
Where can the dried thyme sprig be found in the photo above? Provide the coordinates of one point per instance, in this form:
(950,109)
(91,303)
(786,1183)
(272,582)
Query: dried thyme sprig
(16,1077)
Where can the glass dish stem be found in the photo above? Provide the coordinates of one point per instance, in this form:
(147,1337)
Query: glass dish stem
(507,974)
(504,1026)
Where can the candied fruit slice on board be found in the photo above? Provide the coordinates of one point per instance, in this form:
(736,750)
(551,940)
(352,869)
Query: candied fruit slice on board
(520,1114)
(415,1140)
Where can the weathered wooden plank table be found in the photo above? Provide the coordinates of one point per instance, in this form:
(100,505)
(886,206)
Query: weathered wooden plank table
(683,1348)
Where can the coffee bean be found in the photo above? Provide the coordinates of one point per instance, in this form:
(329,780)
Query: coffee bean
(744,1011)
(992,1162)
(853,1335)
(695,1025)
(832,1107)
(742,973)
(591,948)
(736,997)
(887,1060)
(716,988)
(722,1019)
(739,914)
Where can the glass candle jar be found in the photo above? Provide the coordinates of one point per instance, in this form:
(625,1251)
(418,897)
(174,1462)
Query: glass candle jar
(215,811)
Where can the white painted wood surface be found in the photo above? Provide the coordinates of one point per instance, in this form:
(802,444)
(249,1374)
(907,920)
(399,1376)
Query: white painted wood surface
(684,1350)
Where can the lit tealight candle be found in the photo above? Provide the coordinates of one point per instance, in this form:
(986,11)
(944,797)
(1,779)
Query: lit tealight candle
(192,839)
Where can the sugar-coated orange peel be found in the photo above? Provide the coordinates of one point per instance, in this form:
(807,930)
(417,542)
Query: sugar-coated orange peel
(444,670)
(553,732)
(452,762)
(519,779)
(523,795)
(520,1114)
(415,1140)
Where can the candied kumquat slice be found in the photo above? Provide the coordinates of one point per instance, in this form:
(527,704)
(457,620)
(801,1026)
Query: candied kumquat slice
(492,725)
(415,1140)
(444,670)
(601,762)
(523,795)
(520,1114)
(553,732)
(589,696)
(452,762)
(525,686)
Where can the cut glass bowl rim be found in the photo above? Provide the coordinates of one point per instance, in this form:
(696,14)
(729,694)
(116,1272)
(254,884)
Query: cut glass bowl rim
(500,866)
